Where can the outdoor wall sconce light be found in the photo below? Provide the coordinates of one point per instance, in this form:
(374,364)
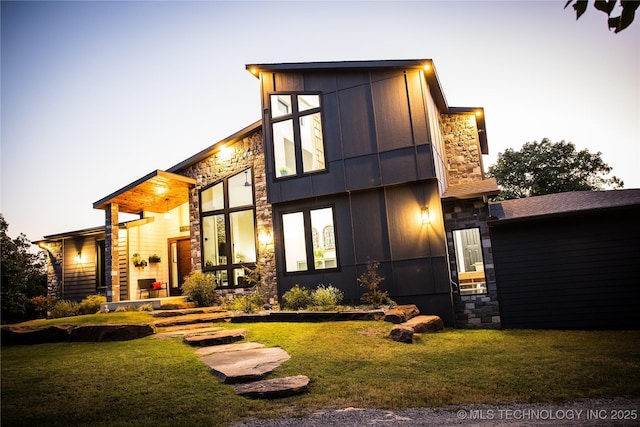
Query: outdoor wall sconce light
(78,257)
(168,214)
(424,214)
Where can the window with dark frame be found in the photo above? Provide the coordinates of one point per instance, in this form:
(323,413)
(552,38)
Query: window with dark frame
(470,261)
(227,218)
(309,240)
(296,129)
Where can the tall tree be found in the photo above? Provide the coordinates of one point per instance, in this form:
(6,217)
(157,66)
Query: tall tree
(550,167)
(22,276)
(617,23)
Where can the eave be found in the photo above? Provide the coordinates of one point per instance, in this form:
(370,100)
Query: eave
(158,191)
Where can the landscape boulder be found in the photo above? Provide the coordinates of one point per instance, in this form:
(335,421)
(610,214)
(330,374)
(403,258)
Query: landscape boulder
(421,324)
(246,365)
(216,338)
(402,333)
(19,335)
(401,313)
(100,333)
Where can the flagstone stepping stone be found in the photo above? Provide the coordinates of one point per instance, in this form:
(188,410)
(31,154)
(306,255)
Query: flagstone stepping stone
(228,347)
(424,323)
(186,332)
(216,338)
(245,365)
(277,387)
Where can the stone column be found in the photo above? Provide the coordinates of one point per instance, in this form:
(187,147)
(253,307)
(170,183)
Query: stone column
(111,253)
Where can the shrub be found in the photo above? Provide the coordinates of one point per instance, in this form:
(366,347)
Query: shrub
(64,308)
(91,304)
(370,281)
(201,288)
(247,303)
(327,297)
(40,305)
(297,298)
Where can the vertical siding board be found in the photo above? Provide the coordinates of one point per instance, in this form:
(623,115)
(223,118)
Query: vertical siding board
(391,110)
(356,120)
(417,106)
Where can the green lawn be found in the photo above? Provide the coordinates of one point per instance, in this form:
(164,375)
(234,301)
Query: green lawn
(161,382)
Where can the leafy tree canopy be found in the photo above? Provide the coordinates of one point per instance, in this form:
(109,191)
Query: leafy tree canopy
(550,167)
(617,23)
(22,275)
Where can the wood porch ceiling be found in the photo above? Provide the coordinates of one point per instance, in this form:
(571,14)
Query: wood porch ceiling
(158,191)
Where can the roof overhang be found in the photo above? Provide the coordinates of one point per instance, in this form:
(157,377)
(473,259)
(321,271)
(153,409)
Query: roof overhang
(476,189)
(158,191)
(425,65)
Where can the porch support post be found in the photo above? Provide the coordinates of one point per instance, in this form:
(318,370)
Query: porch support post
(111,253)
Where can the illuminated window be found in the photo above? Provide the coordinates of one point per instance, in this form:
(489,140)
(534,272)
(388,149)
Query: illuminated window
(309,240)
(228,229)
(468,249)
(296,124)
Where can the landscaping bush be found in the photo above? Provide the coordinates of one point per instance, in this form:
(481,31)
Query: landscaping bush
(64,308)
(91,304)
(297,298)
(201,288)
(246,303)
(371,280)
(327,297)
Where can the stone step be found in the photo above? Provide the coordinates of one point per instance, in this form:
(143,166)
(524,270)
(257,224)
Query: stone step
(182,332)
(228,347)
(189,319)
(216,338)
(277,387)
(424,323)
(245,365)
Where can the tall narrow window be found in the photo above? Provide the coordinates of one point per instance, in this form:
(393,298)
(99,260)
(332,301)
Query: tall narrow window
(468,249)
(227,218)
(296,124)
(309,240)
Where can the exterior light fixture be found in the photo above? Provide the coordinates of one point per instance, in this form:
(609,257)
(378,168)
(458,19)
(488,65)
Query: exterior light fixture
(253,71)
(168,214)
(79,257)
(424,214)
(478,113)
(427,67)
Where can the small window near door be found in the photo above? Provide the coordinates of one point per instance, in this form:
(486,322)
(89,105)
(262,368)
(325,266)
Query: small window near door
(468,249)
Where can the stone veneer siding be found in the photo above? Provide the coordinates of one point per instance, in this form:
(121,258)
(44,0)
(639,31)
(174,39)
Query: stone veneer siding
(462,148)
(242,154)
(54,269)
(472,311)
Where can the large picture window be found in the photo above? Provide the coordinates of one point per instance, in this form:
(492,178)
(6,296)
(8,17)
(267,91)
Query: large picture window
(227,218)
(309,240)
(468,249)
(296,125)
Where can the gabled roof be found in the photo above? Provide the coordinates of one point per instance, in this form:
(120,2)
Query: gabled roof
(561,204)
(485,187)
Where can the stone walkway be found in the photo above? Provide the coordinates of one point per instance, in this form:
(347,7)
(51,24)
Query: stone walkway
(242,365)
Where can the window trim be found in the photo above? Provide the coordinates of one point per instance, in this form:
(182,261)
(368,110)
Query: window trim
(226,211)
(295,116)
(310,260)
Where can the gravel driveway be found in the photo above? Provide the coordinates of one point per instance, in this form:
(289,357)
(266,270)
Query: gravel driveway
(595,412)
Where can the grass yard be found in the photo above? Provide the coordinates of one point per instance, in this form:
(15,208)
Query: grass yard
(161,382)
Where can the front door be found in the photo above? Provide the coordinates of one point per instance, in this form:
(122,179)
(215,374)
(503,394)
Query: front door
(180,250)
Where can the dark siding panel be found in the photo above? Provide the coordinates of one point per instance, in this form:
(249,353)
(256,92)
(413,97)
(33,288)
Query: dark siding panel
(330,128)
(289,82)
(426,169)
(79,277)
(418,108)
(350,79)
(370,234)
(295,189)
(414,277)
(578,272)
(390,103)
(408,237)
(320,82)
(362,172)
(356,121)
(332,182)
(398,166)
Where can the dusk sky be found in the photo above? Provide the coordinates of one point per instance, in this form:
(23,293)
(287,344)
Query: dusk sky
(96,95)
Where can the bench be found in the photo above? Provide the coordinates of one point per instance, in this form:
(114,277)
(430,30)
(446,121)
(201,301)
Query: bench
(149,286)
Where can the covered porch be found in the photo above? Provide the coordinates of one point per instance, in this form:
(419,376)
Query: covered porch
(156,246)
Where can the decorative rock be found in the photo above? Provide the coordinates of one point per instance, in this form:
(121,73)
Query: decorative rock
(422,324)
(402,333)
(12,335)
(216,338)
(278,387)
(401,313)
(100,333)
(244,366)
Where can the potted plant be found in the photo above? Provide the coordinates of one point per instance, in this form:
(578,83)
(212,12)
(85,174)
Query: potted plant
(155,258)
(138,261)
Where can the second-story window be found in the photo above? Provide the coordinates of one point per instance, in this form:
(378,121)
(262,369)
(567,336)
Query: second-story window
(228,229)
(296,124)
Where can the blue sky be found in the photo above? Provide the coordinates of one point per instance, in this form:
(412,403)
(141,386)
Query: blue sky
(97,94)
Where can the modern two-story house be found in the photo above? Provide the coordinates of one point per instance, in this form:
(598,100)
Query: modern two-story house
(351,162)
